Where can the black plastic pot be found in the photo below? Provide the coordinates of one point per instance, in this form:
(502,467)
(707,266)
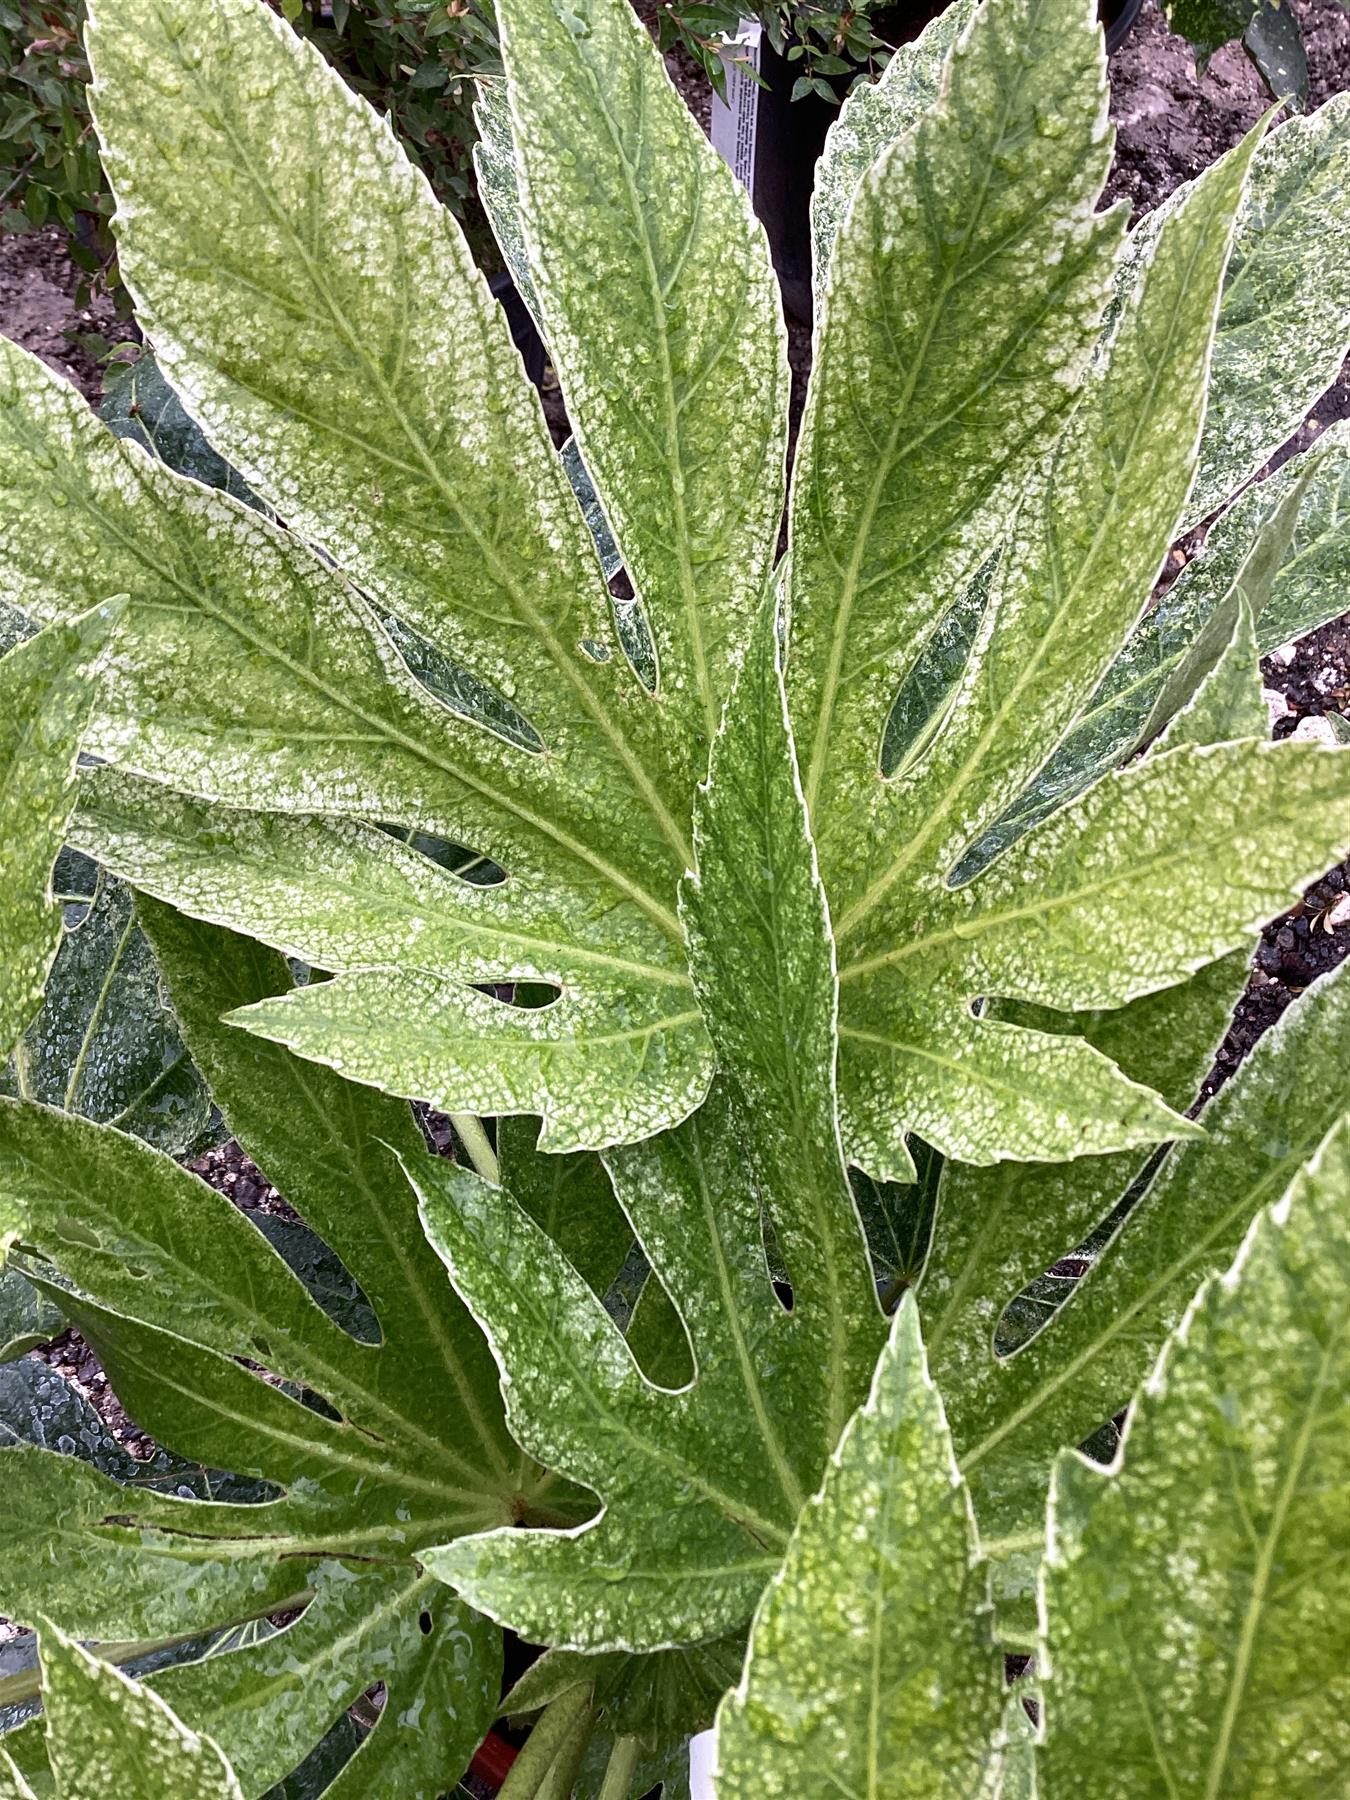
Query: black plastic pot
(790,135)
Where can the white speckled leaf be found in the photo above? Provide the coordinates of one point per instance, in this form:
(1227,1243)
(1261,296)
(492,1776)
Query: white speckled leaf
(1088,541)
(1195,1595)
(700,1486)
(494,165)
(1306,590)
(997,1231)
(870,120)
(47,687)
(1284,326)
(1058,918)
(964,296)
(324,716)
(606,1064)
(663,320)
(621,1053)
(983,1089)
(872,1669)
(265,1700)
(1217,641)
(762,960)
(323,319)
(986,1286)
(107,1734)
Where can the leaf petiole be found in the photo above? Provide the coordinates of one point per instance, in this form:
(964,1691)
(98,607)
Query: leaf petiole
(562,1728)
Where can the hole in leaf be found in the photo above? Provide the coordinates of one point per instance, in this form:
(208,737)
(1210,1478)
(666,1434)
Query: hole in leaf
(424,1623)
(469,865)
(925,697)
(458,690)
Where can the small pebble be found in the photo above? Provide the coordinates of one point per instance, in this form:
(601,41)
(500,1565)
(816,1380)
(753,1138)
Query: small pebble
(1313,730)
(1277,707)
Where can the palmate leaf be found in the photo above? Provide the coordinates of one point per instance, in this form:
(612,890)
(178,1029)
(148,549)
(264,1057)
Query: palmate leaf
(700,1485)
(372,1448)
(872,1668)
(47,688)
(351,367)
(303,666)
(1053,898)
(1195,1596)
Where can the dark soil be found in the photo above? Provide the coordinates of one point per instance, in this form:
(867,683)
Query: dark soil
(37,307)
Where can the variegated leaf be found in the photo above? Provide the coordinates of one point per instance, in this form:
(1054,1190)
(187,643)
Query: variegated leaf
(1305,590)
(700,1485)
(1195,1594)
(1089,539)
(998,1231)
(965,293)
(872,1667)
(107,1734)
(667,336)
(47,687)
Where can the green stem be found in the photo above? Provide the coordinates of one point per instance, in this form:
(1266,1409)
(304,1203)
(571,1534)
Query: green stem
(552,1731)
(623,1762)
(561,1778)
(478,1145)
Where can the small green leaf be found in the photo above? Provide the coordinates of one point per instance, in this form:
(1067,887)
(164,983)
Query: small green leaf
(872,1667)
(1227,703)
(1274,42)
(1195,1593)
